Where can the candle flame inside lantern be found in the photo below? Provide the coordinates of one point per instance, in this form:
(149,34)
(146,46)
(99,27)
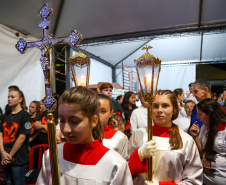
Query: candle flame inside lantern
(82,80)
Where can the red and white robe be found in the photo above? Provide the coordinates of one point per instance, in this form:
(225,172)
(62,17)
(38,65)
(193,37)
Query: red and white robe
(115,140)
(86,164)
(182,166)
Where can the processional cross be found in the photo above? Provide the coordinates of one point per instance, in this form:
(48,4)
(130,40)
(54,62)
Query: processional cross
(44,45)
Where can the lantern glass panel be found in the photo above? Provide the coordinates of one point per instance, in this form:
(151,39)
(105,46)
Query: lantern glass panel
(81,74)
(148,78)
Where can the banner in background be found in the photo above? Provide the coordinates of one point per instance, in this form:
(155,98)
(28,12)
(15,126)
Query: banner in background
(130,80)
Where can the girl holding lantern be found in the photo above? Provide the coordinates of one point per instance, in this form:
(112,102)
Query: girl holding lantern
(175,156)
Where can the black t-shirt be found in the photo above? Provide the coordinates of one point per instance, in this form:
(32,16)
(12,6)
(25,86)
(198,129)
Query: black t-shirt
(12,125)
(43,136)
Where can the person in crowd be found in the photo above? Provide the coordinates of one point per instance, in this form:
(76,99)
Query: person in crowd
(214,96)
(224,97)
(202,90)
(42,106)
(41,123)
(34,110)
(8,109)
(175,155)
(116,122)
(128,105)
(113,139)
(184,122)
(14,139)
(138,117)
(192,96)
(83,159)
(138,101)
(180,98)
(106,89)
(187,95)
(211,141)
(119,99)
(219,100)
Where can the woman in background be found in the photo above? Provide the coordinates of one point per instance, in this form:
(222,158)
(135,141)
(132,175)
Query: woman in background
(14,139)
(128,105)
(211,141)
(34,110)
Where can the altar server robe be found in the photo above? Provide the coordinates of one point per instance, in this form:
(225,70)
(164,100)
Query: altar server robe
(110,169)
(115,140)
(182,166)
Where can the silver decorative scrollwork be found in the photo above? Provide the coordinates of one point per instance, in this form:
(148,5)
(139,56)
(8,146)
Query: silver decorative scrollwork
(74,38)
(21,46)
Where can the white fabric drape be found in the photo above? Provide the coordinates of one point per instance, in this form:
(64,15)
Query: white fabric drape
(23,70)
(172,77)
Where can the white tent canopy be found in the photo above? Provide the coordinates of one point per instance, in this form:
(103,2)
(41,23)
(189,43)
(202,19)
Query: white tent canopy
(180,32)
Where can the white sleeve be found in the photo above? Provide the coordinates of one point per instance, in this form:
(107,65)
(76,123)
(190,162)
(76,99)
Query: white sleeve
(182,112)
(133,122)
(193,170)
(124,148)
(123,175)
(45,177)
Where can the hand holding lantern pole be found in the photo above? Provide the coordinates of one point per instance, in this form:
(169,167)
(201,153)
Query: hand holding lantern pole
(148,68)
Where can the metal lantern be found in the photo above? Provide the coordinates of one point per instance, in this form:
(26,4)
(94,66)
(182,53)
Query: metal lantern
(80,67)
(148,68)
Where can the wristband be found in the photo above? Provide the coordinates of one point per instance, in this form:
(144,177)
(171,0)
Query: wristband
(2,151)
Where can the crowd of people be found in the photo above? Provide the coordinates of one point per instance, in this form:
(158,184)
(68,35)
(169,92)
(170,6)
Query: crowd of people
(102,140)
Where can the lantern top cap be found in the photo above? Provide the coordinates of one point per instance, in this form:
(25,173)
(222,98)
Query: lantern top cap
(79,55)
(82,55)
(147,55)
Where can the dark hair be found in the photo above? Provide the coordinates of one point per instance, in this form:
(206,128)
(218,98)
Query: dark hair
(57,97)
(191,84)
(105,86)
(189,101)
(202,84)
(175,139)
(104,97)
(118,97)
(13,87)
(178,91)
(88,102)
(125,104)
(37,103)
(216,117)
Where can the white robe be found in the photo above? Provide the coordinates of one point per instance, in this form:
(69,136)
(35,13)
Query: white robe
(118,143)
(218,174)
(138,119)
(181,166)
(112,169)
(183,123)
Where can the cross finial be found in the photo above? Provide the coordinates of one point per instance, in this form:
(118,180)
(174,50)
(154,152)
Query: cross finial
(146,47)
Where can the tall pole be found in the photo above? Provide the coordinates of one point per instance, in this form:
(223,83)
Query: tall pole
(150,134)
